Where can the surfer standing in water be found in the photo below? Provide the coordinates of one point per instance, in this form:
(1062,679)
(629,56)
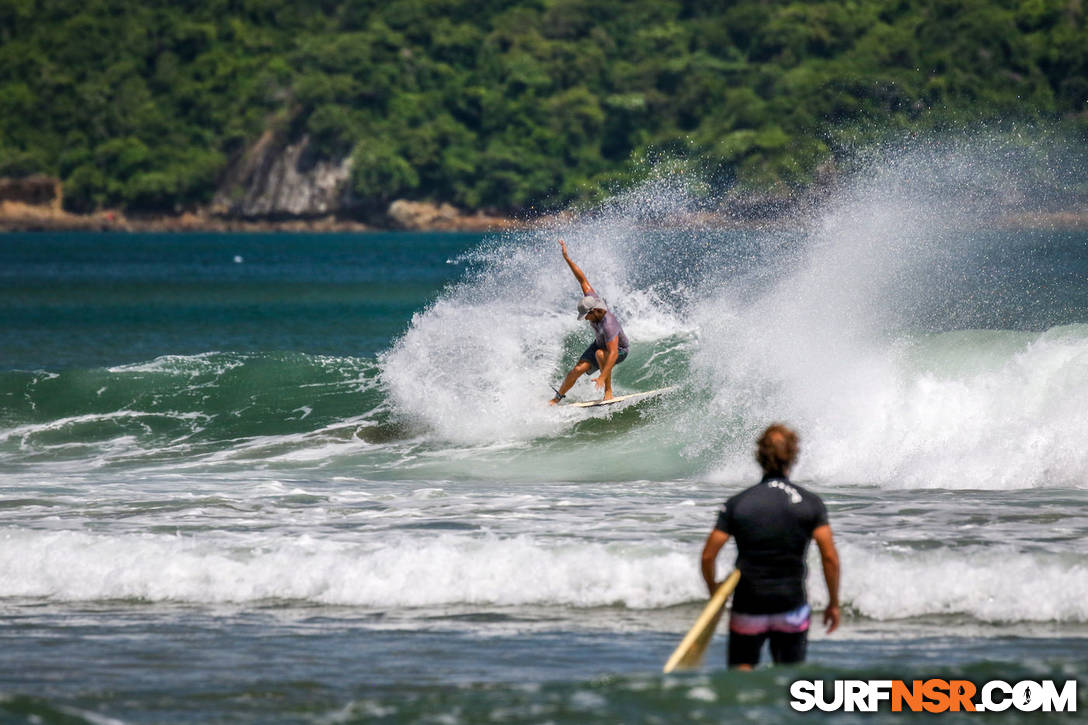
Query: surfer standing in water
(609,346)
(773,522)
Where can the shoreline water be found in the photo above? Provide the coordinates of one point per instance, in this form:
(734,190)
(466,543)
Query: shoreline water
(23,217)
(18,217)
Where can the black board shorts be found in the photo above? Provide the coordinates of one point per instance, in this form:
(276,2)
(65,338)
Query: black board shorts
(590,356)
(787,648)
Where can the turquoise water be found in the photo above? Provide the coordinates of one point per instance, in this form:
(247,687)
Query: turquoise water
(85,300)
(311,478)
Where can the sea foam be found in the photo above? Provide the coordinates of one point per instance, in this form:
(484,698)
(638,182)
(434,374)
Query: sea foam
(489,570)
(879,324)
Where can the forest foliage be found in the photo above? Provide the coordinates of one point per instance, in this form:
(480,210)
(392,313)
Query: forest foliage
(508,104)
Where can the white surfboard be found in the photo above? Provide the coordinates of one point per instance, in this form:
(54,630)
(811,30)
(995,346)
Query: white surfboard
(689,653)
(622,398)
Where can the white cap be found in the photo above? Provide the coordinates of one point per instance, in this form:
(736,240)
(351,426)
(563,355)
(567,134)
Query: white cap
(589,302)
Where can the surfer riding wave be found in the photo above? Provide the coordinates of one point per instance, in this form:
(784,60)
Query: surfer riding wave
(609,347)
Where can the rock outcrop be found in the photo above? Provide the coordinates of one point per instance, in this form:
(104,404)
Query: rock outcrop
(34,190)
(424,215)
(278,180)
(421,214)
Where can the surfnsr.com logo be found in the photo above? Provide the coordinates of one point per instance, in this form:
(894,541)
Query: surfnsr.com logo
(933,695)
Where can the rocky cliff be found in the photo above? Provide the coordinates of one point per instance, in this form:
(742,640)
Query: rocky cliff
(279,180)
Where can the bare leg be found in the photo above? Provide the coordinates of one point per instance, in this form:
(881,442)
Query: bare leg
(568,382)
(608,380)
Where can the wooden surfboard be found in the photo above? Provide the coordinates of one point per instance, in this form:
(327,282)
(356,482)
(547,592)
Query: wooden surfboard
(621,398)
(689,653)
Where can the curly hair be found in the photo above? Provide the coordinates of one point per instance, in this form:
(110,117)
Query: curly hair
(777,449)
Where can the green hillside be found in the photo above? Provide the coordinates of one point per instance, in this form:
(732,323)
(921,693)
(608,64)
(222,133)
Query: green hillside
(508,104)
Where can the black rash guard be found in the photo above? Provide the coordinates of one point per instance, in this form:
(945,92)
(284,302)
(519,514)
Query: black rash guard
(772,523)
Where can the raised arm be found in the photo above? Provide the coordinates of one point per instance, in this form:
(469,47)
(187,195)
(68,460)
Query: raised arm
(578,273)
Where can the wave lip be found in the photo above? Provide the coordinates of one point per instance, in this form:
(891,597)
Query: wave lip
(991,410)
(74,566)
(488,570)
(990,586)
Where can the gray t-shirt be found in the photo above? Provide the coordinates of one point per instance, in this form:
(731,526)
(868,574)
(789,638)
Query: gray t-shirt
(607,328)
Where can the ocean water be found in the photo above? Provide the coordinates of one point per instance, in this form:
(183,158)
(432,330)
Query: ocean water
(302,478)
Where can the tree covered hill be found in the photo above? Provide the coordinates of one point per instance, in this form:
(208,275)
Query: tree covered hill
(506,104)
